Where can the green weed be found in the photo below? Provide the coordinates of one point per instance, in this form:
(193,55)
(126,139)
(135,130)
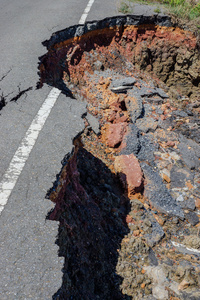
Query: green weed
(124,8)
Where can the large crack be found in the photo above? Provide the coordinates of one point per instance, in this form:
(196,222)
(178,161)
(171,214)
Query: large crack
(4,98)
(128,189)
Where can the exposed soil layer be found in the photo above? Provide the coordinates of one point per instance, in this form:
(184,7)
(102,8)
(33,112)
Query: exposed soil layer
(127,197)
(170,53)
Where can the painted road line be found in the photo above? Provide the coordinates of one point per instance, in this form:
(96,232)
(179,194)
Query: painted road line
(86,11)
(21,155)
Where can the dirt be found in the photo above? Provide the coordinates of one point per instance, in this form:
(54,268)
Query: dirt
(127,196)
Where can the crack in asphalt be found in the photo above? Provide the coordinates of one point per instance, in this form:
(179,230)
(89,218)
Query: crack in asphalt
(20,93)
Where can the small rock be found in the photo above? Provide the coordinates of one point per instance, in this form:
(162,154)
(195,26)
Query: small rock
(180,113)
(147,124)
(188,204)
(94,123)
(125,81)
(165,174)
(115,134)
(192,218)
(179,176)
(183,285)
(197,202)
(130,173)
(132,141)
(180,198)
(189,156)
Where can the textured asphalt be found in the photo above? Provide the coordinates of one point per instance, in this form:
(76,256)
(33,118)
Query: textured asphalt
(29,264)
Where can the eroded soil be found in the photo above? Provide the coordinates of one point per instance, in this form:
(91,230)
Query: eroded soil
(127,197)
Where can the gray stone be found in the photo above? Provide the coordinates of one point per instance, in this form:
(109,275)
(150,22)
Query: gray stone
(192,218)
(134,107)
(94,123)
(121,85)
(154,100)
(180,113)
(161,93)
(147,124)
(189,156)
(156,235)
(190,143)
(125,81)
(188,204)
(158,194)
(132,141)
(148,147)
(179,176)
(152,258)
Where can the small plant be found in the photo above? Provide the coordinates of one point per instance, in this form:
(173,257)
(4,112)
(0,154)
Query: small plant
(195,12)
(124,8)
(157,10)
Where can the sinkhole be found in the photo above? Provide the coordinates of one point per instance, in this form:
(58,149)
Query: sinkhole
(129,187)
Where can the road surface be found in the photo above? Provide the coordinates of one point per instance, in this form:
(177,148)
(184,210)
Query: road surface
(30,266)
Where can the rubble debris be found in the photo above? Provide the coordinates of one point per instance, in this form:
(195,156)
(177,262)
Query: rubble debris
(127,197)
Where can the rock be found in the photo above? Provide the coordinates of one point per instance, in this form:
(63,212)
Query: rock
(130,173)
(183,285)
(190,143)
(156,235)
(155,100)
(152,257)
(115,134)
(192,241)
(148,147)
(94,123)
(179,177)
(165,174)
(121,85)
(157,193)
(180,113)
(180,198)
(197,202)
(134,105)
(161,93)
(147,124)
(188,204)
(159,282)
(192,218)
(132,141)
(189,156)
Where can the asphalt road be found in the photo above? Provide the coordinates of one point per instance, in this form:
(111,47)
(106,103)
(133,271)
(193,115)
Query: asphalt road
(29,264)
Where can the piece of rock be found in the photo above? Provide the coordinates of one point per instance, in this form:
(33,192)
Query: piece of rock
(160,282)
(165,174)
(197,202)
(157,193)
(179,177)
(183,285)
(132,141)
(147,124)
(134,105)
(121,85)
(192,218)
(189,156)
(130,173)
(148,147)
(188,204)
(94,123)
(156,235)
(115,134)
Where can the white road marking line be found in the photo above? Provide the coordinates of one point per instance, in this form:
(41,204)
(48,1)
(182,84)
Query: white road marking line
(86,11)
(21,155)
